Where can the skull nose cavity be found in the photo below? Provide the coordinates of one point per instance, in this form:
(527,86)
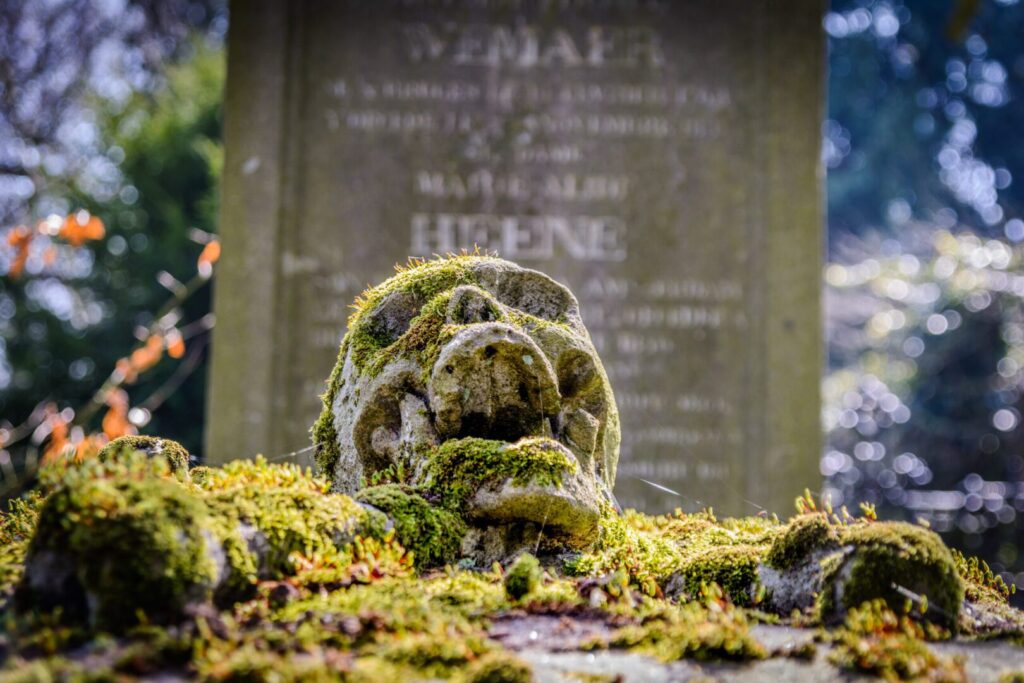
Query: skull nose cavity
(492,381)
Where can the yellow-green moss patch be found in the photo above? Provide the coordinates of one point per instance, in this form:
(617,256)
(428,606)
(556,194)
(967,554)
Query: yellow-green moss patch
(433,534)
(459,467)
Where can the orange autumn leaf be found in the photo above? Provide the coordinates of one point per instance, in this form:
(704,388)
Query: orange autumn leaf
(79,228)
(115,421)
(124,371)
(58,443)
(209,256)
(175,344)
(20,238)
(147,355)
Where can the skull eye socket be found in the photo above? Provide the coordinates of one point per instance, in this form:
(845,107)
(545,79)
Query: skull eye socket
(579,381)
(530,292)
(390,319)
(577,374)
(381,424)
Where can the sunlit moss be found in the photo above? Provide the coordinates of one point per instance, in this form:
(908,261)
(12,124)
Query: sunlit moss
(134,547)
(877,641)
(523,577)
(647,557)
(17,525)
(432,533)
(891,558)
(459,467)
(708,629)
(802,536)
(498,667)
(153,446)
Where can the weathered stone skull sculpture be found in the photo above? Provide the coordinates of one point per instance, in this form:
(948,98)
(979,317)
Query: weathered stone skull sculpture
(488,366)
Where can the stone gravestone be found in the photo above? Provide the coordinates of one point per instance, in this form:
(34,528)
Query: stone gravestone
(660,158)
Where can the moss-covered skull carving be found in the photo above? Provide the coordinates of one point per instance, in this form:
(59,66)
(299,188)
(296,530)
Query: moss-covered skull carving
(477,380)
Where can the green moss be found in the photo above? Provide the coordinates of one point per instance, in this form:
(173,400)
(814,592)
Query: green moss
(891,558)
(696,548)
(626,543)
(498,667)
(289,507)
(523,576)
(427,334)
(434,535)
(980,584)
(802,536)
(137,545)
(172,451)
(401,620)
(324,435)
(331,594)
(17,525)
(251,664)
(423,280)
(704,630)
(734,568)
(459,467)
(877,641)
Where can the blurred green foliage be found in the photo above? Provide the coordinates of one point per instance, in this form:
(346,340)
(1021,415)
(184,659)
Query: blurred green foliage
(166,145)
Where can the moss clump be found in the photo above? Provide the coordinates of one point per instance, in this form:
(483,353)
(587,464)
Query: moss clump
(459,467)
(708,629)
(498,667)
(980,584)
(434,535)
(122,538)
(629,544)
(114,544)
(173,452)
(323,433)
(523,576)
(421,281)
(734,568)
(803,535)
(17,525)
(290,510)
(433,627)
(891,558)
(249,663)
(877,641)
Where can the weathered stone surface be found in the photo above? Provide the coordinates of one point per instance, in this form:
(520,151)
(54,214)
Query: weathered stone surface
(559,663)
(659,158)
